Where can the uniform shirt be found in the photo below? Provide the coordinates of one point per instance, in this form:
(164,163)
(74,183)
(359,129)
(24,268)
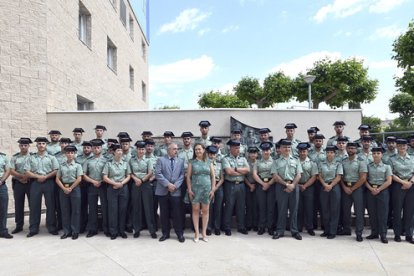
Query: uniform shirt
(309,169)
(68,172)
(329,170)
(359,141)
(232,162)
(286,168)
(243,150)
(153,159)
(332,140)
(295,143)
(78,146)
(187,155)
(61,157)
(126,157)
(264,168)
(206,142)
(17,162)
(352,168)
(366,157)
(116,171)
(161,150)
(217,169)
(410,150)
(4,164)
(53,148)
(387,155)
(249,176)
(377,173)
(316,156)
(140,167)
(339,157)
(81,159)
(402,166)
(41,165)
(93,167)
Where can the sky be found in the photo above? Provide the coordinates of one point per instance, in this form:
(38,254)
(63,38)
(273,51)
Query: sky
(199,46)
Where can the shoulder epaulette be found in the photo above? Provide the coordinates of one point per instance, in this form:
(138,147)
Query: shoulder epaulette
(16,154)
(2,154)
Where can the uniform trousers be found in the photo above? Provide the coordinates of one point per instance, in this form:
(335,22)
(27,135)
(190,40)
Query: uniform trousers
(216,208)
(84,205)
(93,194)
(286,201)
(47,189)
(70,205)
(403,202)
(20,192)
(142,207)
(267,206)
(356,198)
(252,208)
(330,207)
(305,209)
(235,196)
(4,203)
(117,209)
(378,212)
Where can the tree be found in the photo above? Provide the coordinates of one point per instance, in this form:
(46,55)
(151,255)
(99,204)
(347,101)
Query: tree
(276,88)
(373,122)
(403,47)
(403,104)
(218,100)
(337,83)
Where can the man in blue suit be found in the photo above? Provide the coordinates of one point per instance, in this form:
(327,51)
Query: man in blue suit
(169,172)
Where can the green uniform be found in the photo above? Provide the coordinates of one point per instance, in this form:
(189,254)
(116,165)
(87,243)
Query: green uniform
(367,157)
(215,214)
(339,157)
(332,140)
(53,148)
(266,199)
(206,142)
(78,146)
(306,198)
(187,155)
(388,155)
(81,159)
(316,156)
(4,196)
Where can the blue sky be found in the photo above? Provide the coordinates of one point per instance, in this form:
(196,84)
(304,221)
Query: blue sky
(198,46)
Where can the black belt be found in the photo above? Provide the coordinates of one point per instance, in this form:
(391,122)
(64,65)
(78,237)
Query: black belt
(235,182)
(67,185)
(265,179)
(374,185)
(349,184)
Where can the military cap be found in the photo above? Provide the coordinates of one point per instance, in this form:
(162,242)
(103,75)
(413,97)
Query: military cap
(115,146)
(149,142)
(390,139)
(212,149)
(342,139)
(264,130)
(285,142)
(112,140)
(277,145)
(313,129)
(140,144)
(401,141)
(411,137)
(339,123)
(70,148)
(364,127)
(86,144)
(97,142)
(54,132)
(253,149)
(204,123)
(100,127)
(41,140)
(319,136)
(215,139)
(24,141)
(303,146)
(186,134)
(168,134)
(125,139)
(78,129)
(331,148)
(236,131)
(352,144)
(266,146)
(146,132)
(232,143)
(290,126)
(366,138)
(377,149)
(122,134)
(65,140)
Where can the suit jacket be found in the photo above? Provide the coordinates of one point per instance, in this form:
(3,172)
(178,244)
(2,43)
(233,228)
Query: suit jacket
(165,175)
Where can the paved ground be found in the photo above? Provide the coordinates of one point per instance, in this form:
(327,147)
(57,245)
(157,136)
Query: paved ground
(45,254)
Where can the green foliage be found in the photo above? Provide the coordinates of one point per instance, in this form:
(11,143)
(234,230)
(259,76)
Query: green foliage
(373,122)
(403,47)
(402,103)
(399,125)
(169,107)
(218,100)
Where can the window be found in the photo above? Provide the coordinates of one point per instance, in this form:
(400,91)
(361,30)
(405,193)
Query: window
(111,55)
(84,104)
(131,77)
(131,27)
(84,25)
(122,12)
(144,50)
(144,91)
(113,2)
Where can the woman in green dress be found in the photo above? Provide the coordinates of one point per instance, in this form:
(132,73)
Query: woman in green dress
(201,184)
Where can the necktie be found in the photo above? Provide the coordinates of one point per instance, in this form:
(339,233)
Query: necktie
(172,164)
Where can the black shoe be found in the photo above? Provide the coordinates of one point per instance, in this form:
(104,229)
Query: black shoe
(359,238)
(271,232)
(384,240)
(128,229)
(31,234)
(372,237)
(153,235)
(324,234)
(75,236)
(248,228)
(261,231)
(113,236)
(54,233)
(227,232)
(164,237)
(82,230)
(217,232)
(6,236)
(397,238)
(107,234)
(123,235)
(65,236)
(331,236)
(181,238)
(136,235)
(276,236)
(297,236)
(208,232)
(17,230)
(311,232)
(409,239)
(91,234)
(344,233)
(255,229)
(243,231)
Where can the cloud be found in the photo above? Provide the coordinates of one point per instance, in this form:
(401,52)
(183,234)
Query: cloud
(391,31)
(383,64)
(384,6)
(230,28)
(182,71)
(203,31)
(187,20)
(294,67)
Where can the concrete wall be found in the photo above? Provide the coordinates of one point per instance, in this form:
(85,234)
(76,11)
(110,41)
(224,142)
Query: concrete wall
(134,122)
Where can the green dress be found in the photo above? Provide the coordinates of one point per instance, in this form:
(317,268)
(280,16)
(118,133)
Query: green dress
(200,181)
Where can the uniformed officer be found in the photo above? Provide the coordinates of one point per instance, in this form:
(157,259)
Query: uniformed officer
(330,173)
(235,167)
(410,148)
(252,209)
(53,147)
(341,152)
(42,168)
(403,192)
(287,172)
(204,129)
(117,174)
(149,154)
(391,149)
(312,131)
(99,133)
(290,132)
(68,178)
(236,135)
(216,206)
(339,132)
(163,149)
(92,177)
(127,150)
(265,137)
(355,175)
(20,182)
(77,136)
(127,153)
(109,154)
(379,179)
(4,195)
(141,192)
(216,141)
(365,153)
(364,131)
(146,135)
(265,190)
(306,189)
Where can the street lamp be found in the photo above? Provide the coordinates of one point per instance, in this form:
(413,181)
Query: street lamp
(309,79)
